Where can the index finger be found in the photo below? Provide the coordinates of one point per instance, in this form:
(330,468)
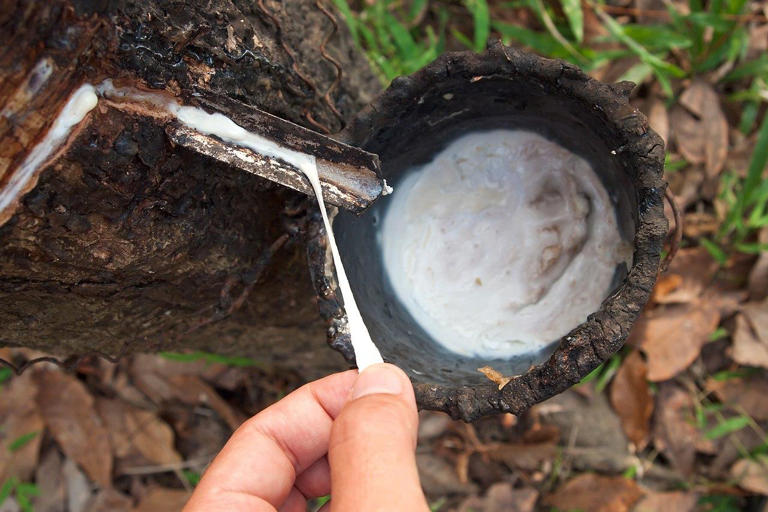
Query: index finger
(257,467)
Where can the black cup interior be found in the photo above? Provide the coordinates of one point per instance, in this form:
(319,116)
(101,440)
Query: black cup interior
(419,130)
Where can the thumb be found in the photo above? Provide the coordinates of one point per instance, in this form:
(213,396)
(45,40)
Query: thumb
(372,446)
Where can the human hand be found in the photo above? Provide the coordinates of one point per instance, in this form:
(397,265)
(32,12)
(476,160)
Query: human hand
(348,435)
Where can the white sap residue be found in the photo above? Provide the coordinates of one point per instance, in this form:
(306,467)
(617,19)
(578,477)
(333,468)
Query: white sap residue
(85,99)
(82,101)
(223,127)
(502,244)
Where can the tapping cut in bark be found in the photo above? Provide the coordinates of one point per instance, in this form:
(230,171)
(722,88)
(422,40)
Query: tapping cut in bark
(131,242)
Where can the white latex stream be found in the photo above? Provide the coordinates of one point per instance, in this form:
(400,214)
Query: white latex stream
(85,99)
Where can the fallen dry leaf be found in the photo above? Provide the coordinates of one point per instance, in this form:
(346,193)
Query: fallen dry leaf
(685,185)
(79,489)
(595,493)
(109,500)
(432,424)
(523,456)
(152,363)
(674,430)
(675,501)
(665,285)
(752,474)
(672,337)
(185,387)
(750,336)
(758,39)
(658,118)
(21,428)
(599,459)
(133,429)
(698,224)
(49,479)
(439,478)
(747,394)
(584,422)
(688,275)
(192,390)
(758,276)
(67,409)
(162,499)
(700,127)
(502,497)
(631,399)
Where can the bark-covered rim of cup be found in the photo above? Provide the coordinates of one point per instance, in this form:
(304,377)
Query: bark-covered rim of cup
(642,155)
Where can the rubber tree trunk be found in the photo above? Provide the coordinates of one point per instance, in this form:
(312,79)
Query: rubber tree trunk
(125,243)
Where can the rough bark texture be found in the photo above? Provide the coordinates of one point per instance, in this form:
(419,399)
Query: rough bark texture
(502,87)
(124,242)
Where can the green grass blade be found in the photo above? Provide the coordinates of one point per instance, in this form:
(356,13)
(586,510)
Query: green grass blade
(710,20)
(5,374)
(661,66)
(538,41)
(192,477)
(727,426)
(21,441)
(748,116)
(417,6)
(404,42)
(659,37)
(610,370)
(758,66)
(27,489)
(756,166)
(731,46)
(456,33)
(637,73)
(575,16)
(7,488)
(714,250)
(752,248)
(592,375)
(481,18)
(349,17)
(735,6)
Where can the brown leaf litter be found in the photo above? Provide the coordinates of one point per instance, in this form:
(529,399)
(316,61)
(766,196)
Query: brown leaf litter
(632,400)
(134,431)
(19,420)
(752,474)
(673,501)
(700,127)
(502,497)
(162,499)
(675,433)
(750,337)
(68,411)
(595,493)
(690,300)
(673,336)
(748,394)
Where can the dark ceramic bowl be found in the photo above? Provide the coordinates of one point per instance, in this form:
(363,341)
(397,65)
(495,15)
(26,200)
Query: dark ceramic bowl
(418,116)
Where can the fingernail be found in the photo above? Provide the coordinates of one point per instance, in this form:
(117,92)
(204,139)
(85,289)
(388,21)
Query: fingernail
(379,378)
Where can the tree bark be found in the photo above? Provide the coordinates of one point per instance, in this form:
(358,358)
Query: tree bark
(125,243)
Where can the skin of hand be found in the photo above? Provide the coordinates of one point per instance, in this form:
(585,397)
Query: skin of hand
(348,435)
